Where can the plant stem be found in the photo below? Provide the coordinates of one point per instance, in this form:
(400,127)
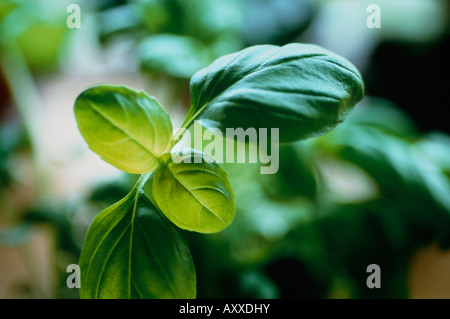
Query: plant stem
(187,122)
(145,183)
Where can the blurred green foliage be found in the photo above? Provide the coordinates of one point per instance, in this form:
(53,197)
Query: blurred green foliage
(175,37)
(308,231)
(179,37)
(292,238)
(38,27)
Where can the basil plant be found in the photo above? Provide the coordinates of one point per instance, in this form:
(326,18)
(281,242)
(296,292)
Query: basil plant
(133,248)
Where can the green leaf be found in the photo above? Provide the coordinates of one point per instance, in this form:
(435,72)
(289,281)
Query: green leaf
(276,21)
(131,251)
(176,55)
(194,196)
(6,8)
(401,171)
(302,89)
(295,176)
(384,115)
(128,129)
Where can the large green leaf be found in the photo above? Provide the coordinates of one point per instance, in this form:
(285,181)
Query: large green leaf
(128,129)
(196,196)
(302,89)
(131,251)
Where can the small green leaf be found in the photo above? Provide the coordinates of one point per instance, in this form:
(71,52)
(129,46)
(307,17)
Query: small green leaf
(302,89)
(128,129)
(194,196)
(131,251)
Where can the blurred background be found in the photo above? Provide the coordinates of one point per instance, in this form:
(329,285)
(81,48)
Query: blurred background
(376,190)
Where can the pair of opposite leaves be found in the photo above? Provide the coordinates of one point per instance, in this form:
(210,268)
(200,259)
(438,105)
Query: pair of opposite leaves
(304,90)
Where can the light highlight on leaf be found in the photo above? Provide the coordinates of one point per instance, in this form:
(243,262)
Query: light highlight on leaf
(128,129)
(131,251)
(194,196)
(302,89)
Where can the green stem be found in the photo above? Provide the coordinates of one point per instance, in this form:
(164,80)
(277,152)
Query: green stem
(142,180)
(187,122)
(145,183)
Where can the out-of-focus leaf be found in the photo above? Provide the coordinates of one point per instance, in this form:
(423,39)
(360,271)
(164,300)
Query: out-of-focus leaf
(6,7)
(12,137)
(175,55)
(155,15)
(295,176)
(402,172)
(424,20)
(384,115)
(5,176)
(436,147)
(60,220)
(260,216)
(336,249)
(276,21)
(110,192)
(256,284)
(355,237)
(40,45)
(117,19)
(205,20)
(39,28)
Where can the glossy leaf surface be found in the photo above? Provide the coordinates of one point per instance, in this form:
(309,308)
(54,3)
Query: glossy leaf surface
(194,196)
(302,89)
(131,251)
(128,129)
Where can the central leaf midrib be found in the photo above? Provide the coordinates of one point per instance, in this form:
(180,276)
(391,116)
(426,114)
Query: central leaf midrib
(193,195)
(117,126)
(131,240)
(97,290)
(259,69)
(103,239)
(159,264)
